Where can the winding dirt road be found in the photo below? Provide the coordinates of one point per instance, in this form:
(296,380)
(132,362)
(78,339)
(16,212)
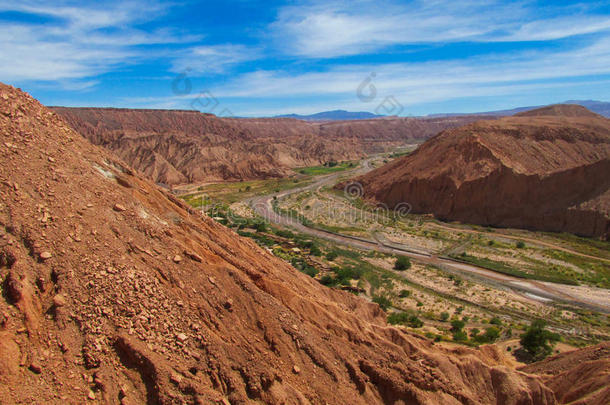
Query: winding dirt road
(536,290)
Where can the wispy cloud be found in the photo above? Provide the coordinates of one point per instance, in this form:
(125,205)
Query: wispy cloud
(213,59)
(339,28)
(278,91)
(77,42)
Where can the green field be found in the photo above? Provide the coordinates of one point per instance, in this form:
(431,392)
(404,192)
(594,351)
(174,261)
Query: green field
(319,170)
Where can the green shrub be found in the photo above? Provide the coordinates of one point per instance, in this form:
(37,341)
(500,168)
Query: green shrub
(444,316)
(520,244)
(327,281)
(495,321)
(457,325)
(402,263)
(404,293)
(310,271)
(404,318)
(538,341)
(314,250)
(460,336)
(382,301)
(331,256)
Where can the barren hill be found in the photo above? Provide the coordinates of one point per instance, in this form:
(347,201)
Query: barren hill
(537,171)
(560,110)
(175,147)
(115,292)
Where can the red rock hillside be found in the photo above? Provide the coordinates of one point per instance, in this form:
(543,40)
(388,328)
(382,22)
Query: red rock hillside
(546,169)
(177,147)
(114,292)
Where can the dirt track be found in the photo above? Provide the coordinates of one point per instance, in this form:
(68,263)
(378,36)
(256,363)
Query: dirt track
(536,290)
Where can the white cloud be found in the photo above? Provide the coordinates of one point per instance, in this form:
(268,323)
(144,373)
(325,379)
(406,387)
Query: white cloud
(535,72)
(339,28)
(429,81)
(213,59)
(77,42)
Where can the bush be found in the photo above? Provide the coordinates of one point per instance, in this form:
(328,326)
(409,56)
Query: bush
(460,336)
(520,244)
(348,273)
(382,301)
(495,321)
(404,318)
(331,256)
(538,341)
(284,234)
(404,293)
(314,250)
(310,271)
(457,325)
(402,263)
(491,335)
(444,316)
(327,281)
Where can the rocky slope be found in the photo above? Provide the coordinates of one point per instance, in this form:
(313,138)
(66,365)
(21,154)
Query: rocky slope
(115,292)
(545,169)
(174,147)
(579,377)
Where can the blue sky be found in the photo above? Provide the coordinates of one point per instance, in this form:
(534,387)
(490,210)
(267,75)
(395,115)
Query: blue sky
(262,58)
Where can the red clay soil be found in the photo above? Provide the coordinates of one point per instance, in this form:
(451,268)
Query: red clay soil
(545,169)
(580,377)
(175,147)
(115,292)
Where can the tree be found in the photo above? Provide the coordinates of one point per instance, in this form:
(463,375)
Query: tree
(538,341)
(402,263)
(457,325)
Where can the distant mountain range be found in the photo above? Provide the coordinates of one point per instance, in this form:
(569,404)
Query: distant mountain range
(336,115)
(599,107)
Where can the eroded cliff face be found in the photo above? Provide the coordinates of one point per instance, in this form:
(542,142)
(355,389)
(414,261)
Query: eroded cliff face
(174,147)
(533,171)
(116,292)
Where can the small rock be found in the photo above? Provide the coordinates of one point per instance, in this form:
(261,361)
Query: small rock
(59,300)
(177,259)
(35,368)
(175,378)
(46,255)
(229,304)
(296,369)
(181,337)
(193,256)
(212,280)
(91,395)
(119,208)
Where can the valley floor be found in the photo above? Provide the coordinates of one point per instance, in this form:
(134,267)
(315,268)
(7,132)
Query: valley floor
(493,282)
